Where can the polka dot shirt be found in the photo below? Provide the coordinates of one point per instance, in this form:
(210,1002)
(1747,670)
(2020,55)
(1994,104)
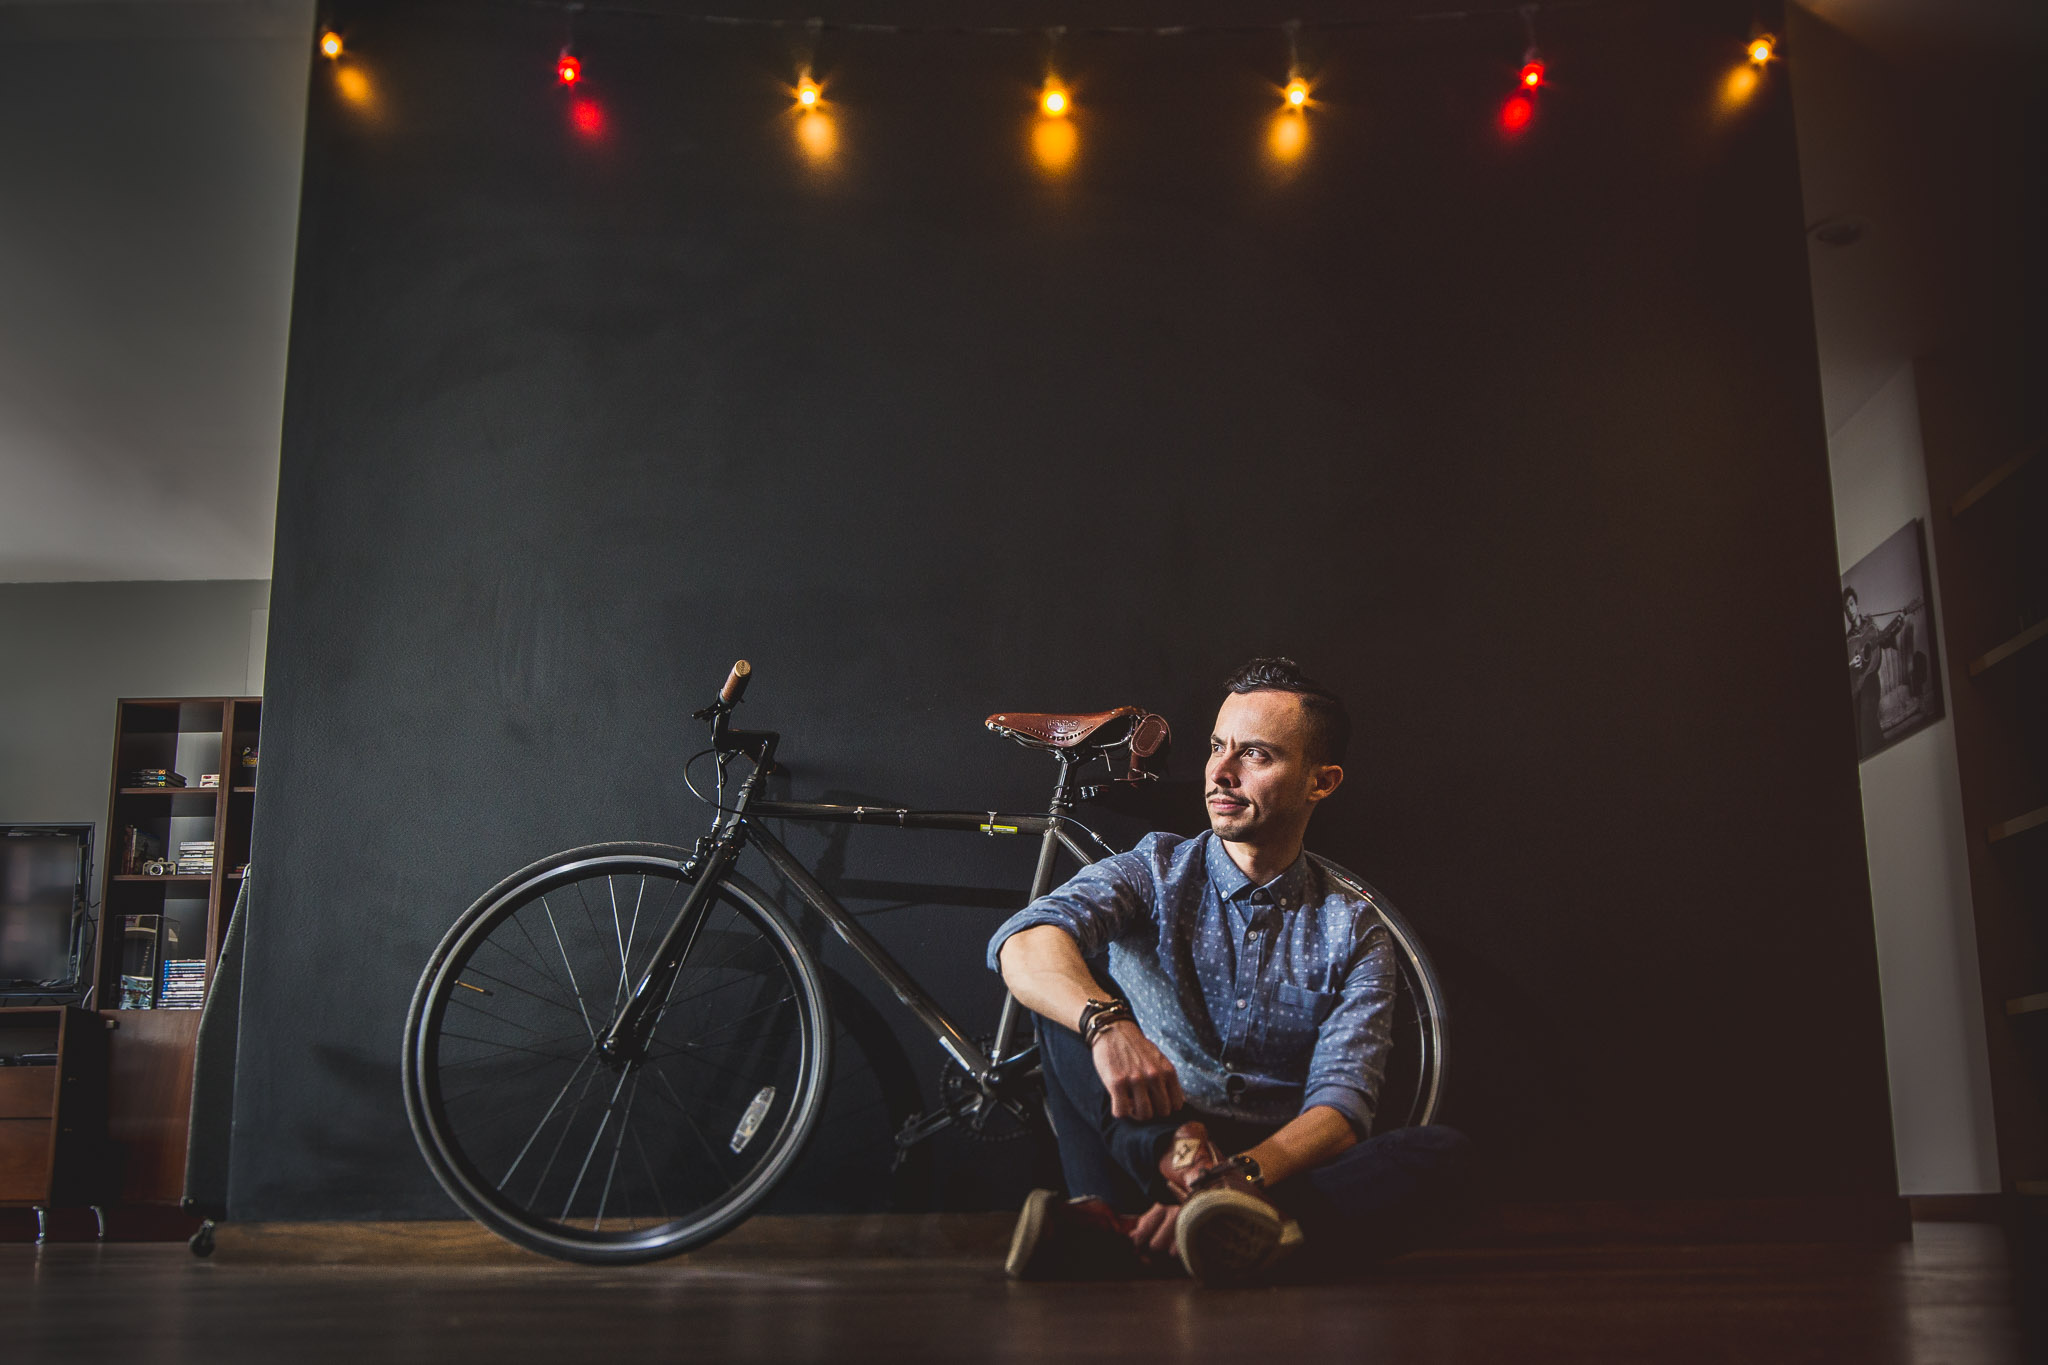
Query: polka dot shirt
(1269,1000)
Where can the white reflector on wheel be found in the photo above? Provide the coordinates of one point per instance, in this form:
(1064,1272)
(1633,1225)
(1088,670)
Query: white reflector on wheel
(750,1122)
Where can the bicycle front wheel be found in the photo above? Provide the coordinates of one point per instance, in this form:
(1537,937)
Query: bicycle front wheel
(540,1138)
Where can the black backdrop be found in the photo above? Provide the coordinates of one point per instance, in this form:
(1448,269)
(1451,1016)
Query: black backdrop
(1515,441)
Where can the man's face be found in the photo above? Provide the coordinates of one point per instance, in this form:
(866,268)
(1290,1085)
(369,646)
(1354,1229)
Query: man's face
(1260,783)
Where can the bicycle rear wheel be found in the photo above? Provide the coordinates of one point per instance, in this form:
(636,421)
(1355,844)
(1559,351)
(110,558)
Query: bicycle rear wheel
(541,1139)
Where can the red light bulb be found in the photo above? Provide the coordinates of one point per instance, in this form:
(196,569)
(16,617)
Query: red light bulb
(1516,113)
(1532,75)
(568,67)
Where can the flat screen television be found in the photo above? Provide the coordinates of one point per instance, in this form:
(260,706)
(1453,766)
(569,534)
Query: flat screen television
(45,881)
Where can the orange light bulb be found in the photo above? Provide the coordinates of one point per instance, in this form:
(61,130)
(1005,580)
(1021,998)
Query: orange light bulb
(330,44)
(1762,48)
(1297,92)
(807,93)
(1053,101)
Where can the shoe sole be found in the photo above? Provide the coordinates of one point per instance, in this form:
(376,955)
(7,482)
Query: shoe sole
(1030,1228)
(1225,1237)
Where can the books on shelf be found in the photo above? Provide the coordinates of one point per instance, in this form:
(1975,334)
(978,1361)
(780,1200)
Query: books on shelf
(151,777)
(184,984)
(137,848)
(195,857)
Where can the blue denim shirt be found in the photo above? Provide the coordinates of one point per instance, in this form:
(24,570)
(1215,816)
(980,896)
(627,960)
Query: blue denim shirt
(1268,999)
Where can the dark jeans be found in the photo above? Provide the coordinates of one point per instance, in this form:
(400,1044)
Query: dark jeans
(1375,1199)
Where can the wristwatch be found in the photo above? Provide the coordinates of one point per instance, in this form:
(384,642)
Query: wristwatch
(1244,1165)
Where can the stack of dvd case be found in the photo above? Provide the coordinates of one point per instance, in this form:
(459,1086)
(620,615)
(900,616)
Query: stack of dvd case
(195,857)
(184,985)
(152,777)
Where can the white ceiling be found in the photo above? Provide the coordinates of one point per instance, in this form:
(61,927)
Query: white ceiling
(1900,126)
(149,154)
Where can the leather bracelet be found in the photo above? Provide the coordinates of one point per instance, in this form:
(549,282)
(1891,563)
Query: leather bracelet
(1098,1015)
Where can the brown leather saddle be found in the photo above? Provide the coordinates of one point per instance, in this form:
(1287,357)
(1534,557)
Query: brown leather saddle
(1086,734)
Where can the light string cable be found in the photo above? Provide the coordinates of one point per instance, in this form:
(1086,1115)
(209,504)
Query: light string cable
(815,25)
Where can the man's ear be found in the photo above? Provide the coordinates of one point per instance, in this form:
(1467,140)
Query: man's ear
(1324,781)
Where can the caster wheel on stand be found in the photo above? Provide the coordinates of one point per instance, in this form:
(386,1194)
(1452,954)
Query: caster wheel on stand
(201,1241)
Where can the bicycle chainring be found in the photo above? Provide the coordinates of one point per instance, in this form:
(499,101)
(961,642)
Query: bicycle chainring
(975,1115)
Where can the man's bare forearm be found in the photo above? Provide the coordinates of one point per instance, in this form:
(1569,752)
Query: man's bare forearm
(1308,1140)
(1044,969)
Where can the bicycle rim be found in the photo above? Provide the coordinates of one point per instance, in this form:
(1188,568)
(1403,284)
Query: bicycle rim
(537,1137)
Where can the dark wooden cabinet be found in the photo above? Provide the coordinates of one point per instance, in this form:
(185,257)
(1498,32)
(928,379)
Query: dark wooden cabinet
(53,1095)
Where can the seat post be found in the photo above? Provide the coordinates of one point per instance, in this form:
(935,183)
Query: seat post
(1041,882)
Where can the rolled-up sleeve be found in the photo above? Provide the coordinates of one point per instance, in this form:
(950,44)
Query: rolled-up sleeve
(1102,903)
(1350,1057)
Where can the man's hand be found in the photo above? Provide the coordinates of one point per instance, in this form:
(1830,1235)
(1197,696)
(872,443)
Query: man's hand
(1154,1232)
(1141,1082)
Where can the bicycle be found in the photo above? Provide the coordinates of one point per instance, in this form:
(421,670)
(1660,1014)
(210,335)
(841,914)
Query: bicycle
(659,1009)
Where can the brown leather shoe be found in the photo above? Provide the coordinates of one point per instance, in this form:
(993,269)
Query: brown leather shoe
(1081,1239)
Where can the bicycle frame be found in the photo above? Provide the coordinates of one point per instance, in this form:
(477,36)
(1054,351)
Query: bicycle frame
(993,1072)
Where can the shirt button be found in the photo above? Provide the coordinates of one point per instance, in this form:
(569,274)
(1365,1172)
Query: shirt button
(1251,936)
(1241,1003)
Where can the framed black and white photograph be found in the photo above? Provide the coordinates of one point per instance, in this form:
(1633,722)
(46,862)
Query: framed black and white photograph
(1894,669)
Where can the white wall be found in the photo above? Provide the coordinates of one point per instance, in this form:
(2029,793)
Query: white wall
(71,650)
(1913,827)
(149,202)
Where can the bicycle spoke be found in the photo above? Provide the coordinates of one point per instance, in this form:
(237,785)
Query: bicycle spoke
(539,956)
(572,970)
(504,1047)
(626,947)
(734,1023)
(544,1121)
(713,990)
(676,1103)
(473,970)
(475,1061)
(568,1124)
(500,1082)
(618,1146)
(595,1138)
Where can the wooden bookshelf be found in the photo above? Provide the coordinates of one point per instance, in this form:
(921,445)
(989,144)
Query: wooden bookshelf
(1983,467)
(151,1048)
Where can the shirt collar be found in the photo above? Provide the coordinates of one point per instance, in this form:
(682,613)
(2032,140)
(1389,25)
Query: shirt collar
(1231,883)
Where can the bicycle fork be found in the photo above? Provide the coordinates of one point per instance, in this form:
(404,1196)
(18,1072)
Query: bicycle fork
(625,1042)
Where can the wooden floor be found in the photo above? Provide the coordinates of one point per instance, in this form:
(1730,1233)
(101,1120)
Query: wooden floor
(1944,1297)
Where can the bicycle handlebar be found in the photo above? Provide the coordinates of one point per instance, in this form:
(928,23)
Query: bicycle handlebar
(736,683)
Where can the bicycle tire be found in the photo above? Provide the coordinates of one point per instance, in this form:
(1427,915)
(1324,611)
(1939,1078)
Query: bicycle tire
(762,1081)
(1422,1024)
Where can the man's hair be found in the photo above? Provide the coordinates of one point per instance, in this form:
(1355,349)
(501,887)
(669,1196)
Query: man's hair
(1848,596)
(1329,724)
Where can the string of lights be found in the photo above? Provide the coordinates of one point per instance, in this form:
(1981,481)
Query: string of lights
(1054,140)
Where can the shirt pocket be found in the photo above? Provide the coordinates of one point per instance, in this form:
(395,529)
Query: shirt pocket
(1292,1016)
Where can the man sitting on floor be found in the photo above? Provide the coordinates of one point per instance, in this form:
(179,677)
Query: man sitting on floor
(1258,998)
